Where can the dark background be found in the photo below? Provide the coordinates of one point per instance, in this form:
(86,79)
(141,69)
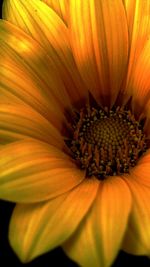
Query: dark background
(53,258)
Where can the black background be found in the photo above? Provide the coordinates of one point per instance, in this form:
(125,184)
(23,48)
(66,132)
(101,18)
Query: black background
(53,258)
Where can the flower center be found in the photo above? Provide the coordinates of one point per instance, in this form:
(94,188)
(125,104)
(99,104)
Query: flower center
(106,142)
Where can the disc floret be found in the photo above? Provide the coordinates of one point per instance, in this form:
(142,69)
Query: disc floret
(107,142)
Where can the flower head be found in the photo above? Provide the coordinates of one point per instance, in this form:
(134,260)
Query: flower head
(75,126)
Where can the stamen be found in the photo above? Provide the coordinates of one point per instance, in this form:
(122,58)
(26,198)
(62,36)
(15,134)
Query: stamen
(107,142)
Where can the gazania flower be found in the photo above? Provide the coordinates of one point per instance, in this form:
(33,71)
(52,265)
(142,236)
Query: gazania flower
(75,126)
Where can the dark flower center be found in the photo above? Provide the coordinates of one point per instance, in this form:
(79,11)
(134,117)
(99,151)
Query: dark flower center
(107,142)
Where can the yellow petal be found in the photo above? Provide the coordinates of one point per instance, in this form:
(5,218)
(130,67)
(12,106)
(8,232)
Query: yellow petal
(97,240)
(25,64)
(60,7)
(140,81)
(137,238)
(138,14)
(38,228)
(32,171)
(27,122)
(99,39)
(46,27)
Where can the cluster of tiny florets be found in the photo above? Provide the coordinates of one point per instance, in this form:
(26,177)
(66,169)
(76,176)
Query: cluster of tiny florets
(106,142)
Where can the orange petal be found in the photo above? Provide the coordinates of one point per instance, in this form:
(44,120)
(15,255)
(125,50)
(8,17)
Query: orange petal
(137,238)
(146,111)
(145,158)
(38,228)
(97,240)
(60,7)
(140,173)
(32,171)
(140,81)
(15,89)
(138,14)
(46,27)
(26,122)
(99,39)
(25,64)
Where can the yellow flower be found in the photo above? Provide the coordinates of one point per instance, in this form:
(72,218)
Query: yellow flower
(58,60)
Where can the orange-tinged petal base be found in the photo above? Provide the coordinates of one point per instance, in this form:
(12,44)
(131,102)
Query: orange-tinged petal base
(99,39)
